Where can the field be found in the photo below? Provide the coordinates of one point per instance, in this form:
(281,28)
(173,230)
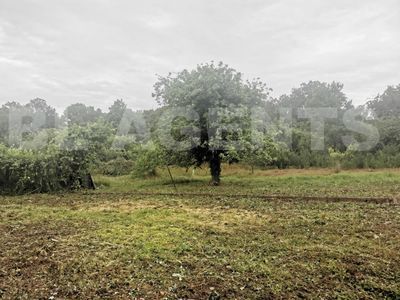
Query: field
(146,239)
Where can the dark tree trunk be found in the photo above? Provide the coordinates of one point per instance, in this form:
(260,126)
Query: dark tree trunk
(215,168)
(87,182)
(91,184)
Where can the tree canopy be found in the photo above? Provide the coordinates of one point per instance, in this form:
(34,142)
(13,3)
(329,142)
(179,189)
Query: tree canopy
(386,105)
(219,101)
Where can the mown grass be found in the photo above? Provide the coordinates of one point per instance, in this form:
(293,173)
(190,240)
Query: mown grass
(323,182)
(92,246)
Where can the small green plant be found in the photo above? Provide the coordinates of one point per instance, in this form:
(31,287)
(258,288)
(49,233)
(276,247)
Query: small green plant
(336,158)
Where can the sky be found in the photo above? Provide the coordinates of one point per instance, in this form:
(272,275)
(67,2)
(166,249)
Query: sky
(97,51)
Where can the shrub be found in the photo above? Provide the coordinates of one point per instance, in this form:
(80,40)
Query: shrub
(24,171)
(146,163)
(117,167)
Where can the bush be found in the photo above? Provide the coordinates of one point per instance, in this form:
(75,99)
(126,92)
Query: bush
(146,163)
(117,167)
(25,171)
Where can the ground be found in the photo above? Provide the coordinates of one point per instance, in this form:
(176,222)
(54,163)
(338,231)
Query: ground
(121,243)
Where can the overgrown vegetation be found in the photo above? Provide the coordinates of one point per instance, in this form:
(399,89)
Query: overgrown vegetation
(224,124)
(25,171)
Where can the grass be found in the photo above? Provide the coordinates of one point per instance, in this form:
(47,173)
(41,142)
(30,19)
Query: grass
(318,182)
(127,246)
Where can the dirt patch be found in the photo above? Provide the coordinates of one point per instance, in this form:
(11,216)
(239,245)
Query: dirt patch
(121,206)
(31,259)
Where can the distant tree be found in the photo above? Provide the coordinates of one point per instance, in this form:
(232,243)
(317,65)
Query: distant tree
(211,88)
(28,119)
(389,131)
(387,105)
(316,94)
(40,106)
(116,112)
(80,114)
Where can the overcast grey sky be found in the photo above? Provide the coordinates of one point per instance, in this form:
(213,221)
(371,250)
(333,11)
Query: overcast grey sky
(95,51)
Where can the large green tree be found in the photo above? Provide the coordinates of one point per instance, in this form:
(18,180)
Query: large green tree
(221,101)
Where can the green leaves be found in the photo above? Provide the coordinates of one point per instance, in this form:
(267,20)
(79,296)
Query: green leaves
(386,105)
(147,160)
(220,104)
(25,171)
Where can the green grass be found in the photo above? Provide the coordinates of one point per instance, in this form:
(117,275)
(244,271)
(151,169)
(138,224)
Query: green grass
(378,183)
(127,246)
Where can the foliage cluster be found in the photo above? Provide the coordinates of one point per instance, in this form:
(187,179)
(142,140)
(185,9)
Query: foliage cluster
(24,171)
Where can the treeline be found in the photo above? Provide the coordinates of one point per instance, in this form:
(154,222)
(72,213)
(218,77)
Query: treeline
(42,151)
(381,114)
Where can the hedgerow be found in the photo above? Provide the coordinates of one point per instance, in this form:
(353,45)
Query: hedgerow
(27,171)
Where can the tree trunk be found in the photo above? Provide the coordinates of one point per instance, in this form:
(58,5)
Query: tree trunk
(87,182)
(215,168)
(91,184)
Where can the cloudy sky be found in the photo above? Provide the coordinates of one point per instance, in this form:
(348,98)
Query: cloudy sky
(95,51)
